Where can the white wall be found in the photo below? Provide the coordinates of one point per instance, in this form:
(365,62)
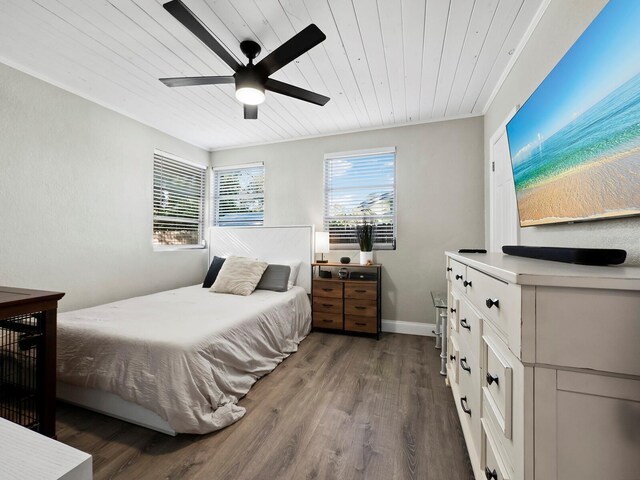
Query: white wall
(562,24)
(439,198)
(76,198)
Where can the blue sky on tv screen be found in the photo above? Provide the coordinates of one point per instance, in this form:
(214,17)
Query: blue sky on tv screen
(603,58)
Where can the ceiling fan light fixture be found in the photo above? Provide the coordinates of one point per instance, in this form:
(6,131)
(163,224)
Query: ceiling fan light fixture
(253,95)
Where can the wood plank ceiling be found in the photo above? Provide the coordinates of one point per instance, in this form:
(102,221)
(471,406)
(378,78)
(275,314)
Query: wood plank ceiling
(384,63)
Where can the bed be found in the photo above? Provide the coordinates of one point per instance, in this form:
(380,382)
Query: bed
(179,361)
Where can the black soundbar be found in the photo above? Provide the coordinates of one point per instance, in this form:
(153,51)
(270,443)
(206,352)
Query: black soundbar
(582,256)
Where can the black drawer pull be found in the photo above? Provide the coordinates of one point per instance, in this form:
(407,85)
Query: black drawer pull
(361,324)
(327,305)
(458,277)
(327,321)
(452,357)
(491,475)
(465,405)
(453,310)
(465,366)
(492,303)
(327,289)
(361,291)
(466,284)
(464,324)
(449,269)
(491,379)
(358,307)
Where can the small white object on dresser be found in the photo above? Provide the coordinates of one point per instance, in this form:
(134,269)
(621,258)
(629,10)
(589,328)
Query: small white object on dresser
(27,454)
(544,366)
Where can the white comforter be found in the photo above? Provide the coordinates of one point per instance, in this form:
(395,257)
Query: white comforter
(187,354)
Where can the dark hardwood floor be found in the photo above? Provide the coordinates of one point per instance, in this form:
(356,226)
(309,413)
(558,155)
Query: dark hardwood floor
(342,407)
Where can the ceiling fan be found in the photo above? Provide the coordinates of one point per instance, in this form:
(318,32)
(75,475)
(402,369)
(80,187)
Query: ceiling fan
(250,80)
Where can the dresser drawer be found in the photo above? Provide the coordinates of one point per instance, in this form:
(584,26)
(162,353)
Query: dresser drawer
(497,381)
(457,274)
(454,308)
(497,301)
(491,463)
(327,305)
(469,407)
(361,291)
(453,354)
(327,320)
(355,323)
(361,308)
(327,288)
(469,328)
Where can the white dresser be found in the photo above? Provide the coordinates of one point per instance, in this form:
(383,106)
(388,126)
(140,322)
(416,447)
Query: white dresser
(544,366)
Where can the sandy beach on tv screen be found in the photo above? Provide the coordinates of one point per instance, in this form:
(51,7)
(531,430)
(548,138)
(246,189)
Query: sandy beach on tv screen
(608,187)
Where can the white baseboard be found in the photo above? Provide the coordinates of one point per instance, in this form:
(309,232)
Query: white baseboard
(409,328)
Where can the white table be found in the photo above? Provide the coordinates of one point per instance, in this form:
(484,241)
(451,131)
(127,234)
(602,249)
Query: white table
(27,454)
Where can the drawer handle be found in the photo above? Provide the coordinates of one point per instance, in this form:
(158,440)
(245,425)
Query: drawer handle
(458,277)
(491,379)
(465,405)
(466,284)
(452,358)
(327,321)
(327,289)
(491,475)
(465,366)
(464,324)
(327,305)
(358,307)
(449,269)
(492,303)
(453,310)
(361,324)
(361,291)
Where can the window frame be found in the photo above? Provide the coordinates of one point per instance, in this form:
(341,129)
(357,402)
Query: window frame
(214,185)
(362,153)
(160,247)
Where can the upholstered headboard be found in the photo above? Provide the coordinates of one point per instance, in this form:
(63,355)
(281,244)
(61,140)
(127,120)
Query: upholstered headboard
(271,244)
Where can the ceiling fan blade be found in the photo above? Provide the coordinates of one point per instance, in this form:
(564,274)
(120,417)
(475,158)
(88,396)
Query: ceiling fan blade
(187,18)
(295,92)
(190,81)
(250,112)
(300,43)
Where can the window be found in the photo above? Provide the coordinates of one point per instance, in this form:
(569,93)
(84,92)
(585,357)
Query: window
(238,195)
(178,201)
(360,186)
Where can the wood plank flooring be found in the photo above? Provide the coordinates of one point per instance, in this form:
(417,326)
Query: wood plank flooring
(342,407)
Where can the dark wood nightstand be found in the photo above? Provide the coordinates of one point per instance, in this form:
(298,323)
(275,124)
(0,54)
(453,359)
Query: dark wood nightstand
(347,305)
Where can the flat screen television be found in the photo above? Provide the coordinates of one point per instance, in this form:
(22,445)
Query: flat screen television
(575,143)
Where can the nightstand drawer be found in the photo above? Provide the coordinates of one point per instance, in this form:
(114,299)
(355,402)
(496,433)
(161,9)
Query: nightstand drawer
(327,305)
(327,320)
(327,289)
(361,308)
(361,291)
(355,323)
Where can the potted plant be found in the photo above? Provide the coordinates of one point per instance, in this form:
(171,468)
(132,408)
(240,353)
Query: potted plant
(365,236)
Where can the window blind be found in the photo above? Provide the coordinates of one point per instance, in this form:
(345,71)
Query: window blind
(178,201)
(238,197)
(360,187)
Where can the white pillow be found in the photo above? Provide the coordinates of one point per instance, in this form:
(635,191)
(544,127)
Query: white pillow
(239,276)
(293,276)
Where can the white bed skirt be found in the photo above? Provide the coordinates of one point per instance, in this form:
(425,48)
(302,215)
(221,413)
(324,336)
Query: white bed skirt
(112,405)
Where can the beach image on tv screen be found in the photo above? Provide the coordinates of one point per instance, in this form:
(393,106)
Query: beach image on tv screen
(575,143)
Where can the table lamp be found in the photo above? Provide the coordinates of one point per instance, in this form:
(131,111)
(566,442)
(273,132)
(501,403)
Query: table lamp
(322,245)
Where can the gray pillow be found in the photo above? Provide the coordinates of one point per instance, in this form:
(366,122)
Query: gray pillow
(276,278)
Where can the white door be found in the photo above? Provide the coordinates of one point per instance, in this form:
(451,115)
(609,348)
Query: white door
(504,228)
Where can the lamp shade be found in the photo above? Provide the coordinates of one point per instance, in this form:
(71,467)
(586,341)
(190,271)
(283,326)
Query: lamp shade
(322,242)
